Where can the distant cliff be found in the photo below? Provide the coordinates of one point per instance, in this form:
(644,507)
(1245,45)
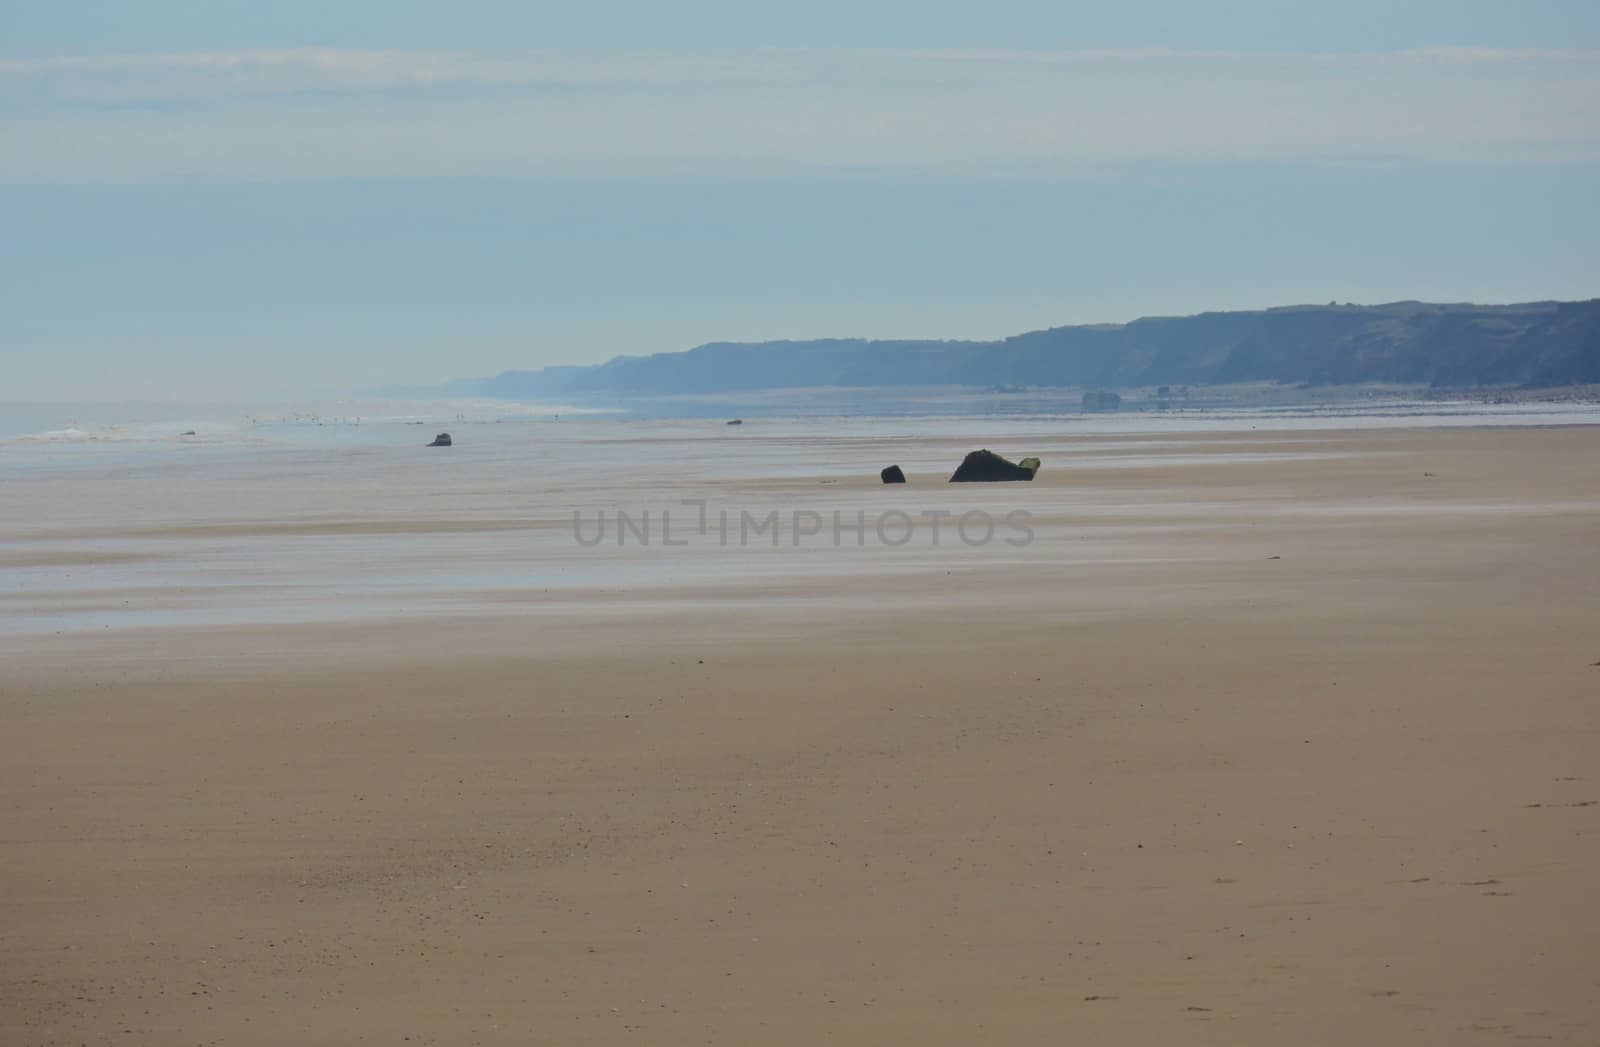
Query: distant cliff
(1538,344)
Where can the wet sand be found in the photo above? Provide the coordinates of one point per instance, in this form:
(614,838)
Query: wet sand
(1288,744)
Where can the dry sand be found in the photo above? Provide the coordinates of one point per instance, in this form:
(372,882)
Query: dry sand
(1347,796)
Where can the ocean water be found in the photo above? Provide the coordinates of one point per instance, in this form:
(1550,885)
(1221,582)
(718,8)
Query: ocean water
(67,432)
(118,518)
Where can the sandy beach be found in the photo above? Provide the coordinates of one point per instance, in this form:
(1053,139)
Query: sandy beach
(1265,738)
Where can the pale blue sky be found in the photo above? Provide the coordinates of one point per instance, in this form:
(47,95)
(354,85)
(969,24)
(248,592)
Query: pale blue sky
(223,198)
(124,26)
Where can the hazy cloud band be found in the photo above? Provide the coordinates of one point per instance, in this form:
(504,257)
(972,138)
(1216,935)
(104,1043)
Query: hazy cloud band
(319,113)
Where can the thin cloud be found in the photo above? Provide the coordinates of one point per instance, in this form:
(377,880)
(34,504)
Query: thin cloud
(223,74)
(321,113)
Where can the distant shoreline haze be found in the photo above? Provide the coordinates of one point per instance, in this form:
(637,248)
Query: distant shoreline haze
(1530,345)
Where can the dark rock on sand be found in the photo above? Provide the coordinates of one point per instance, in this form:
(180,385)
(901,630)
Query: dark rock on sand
(987,467)
(442,440)
(736,421)
(893,475)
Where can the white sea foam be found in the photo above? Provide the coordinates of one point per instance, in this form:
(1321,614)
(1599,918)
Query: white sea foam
(108,424)
(179,432)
